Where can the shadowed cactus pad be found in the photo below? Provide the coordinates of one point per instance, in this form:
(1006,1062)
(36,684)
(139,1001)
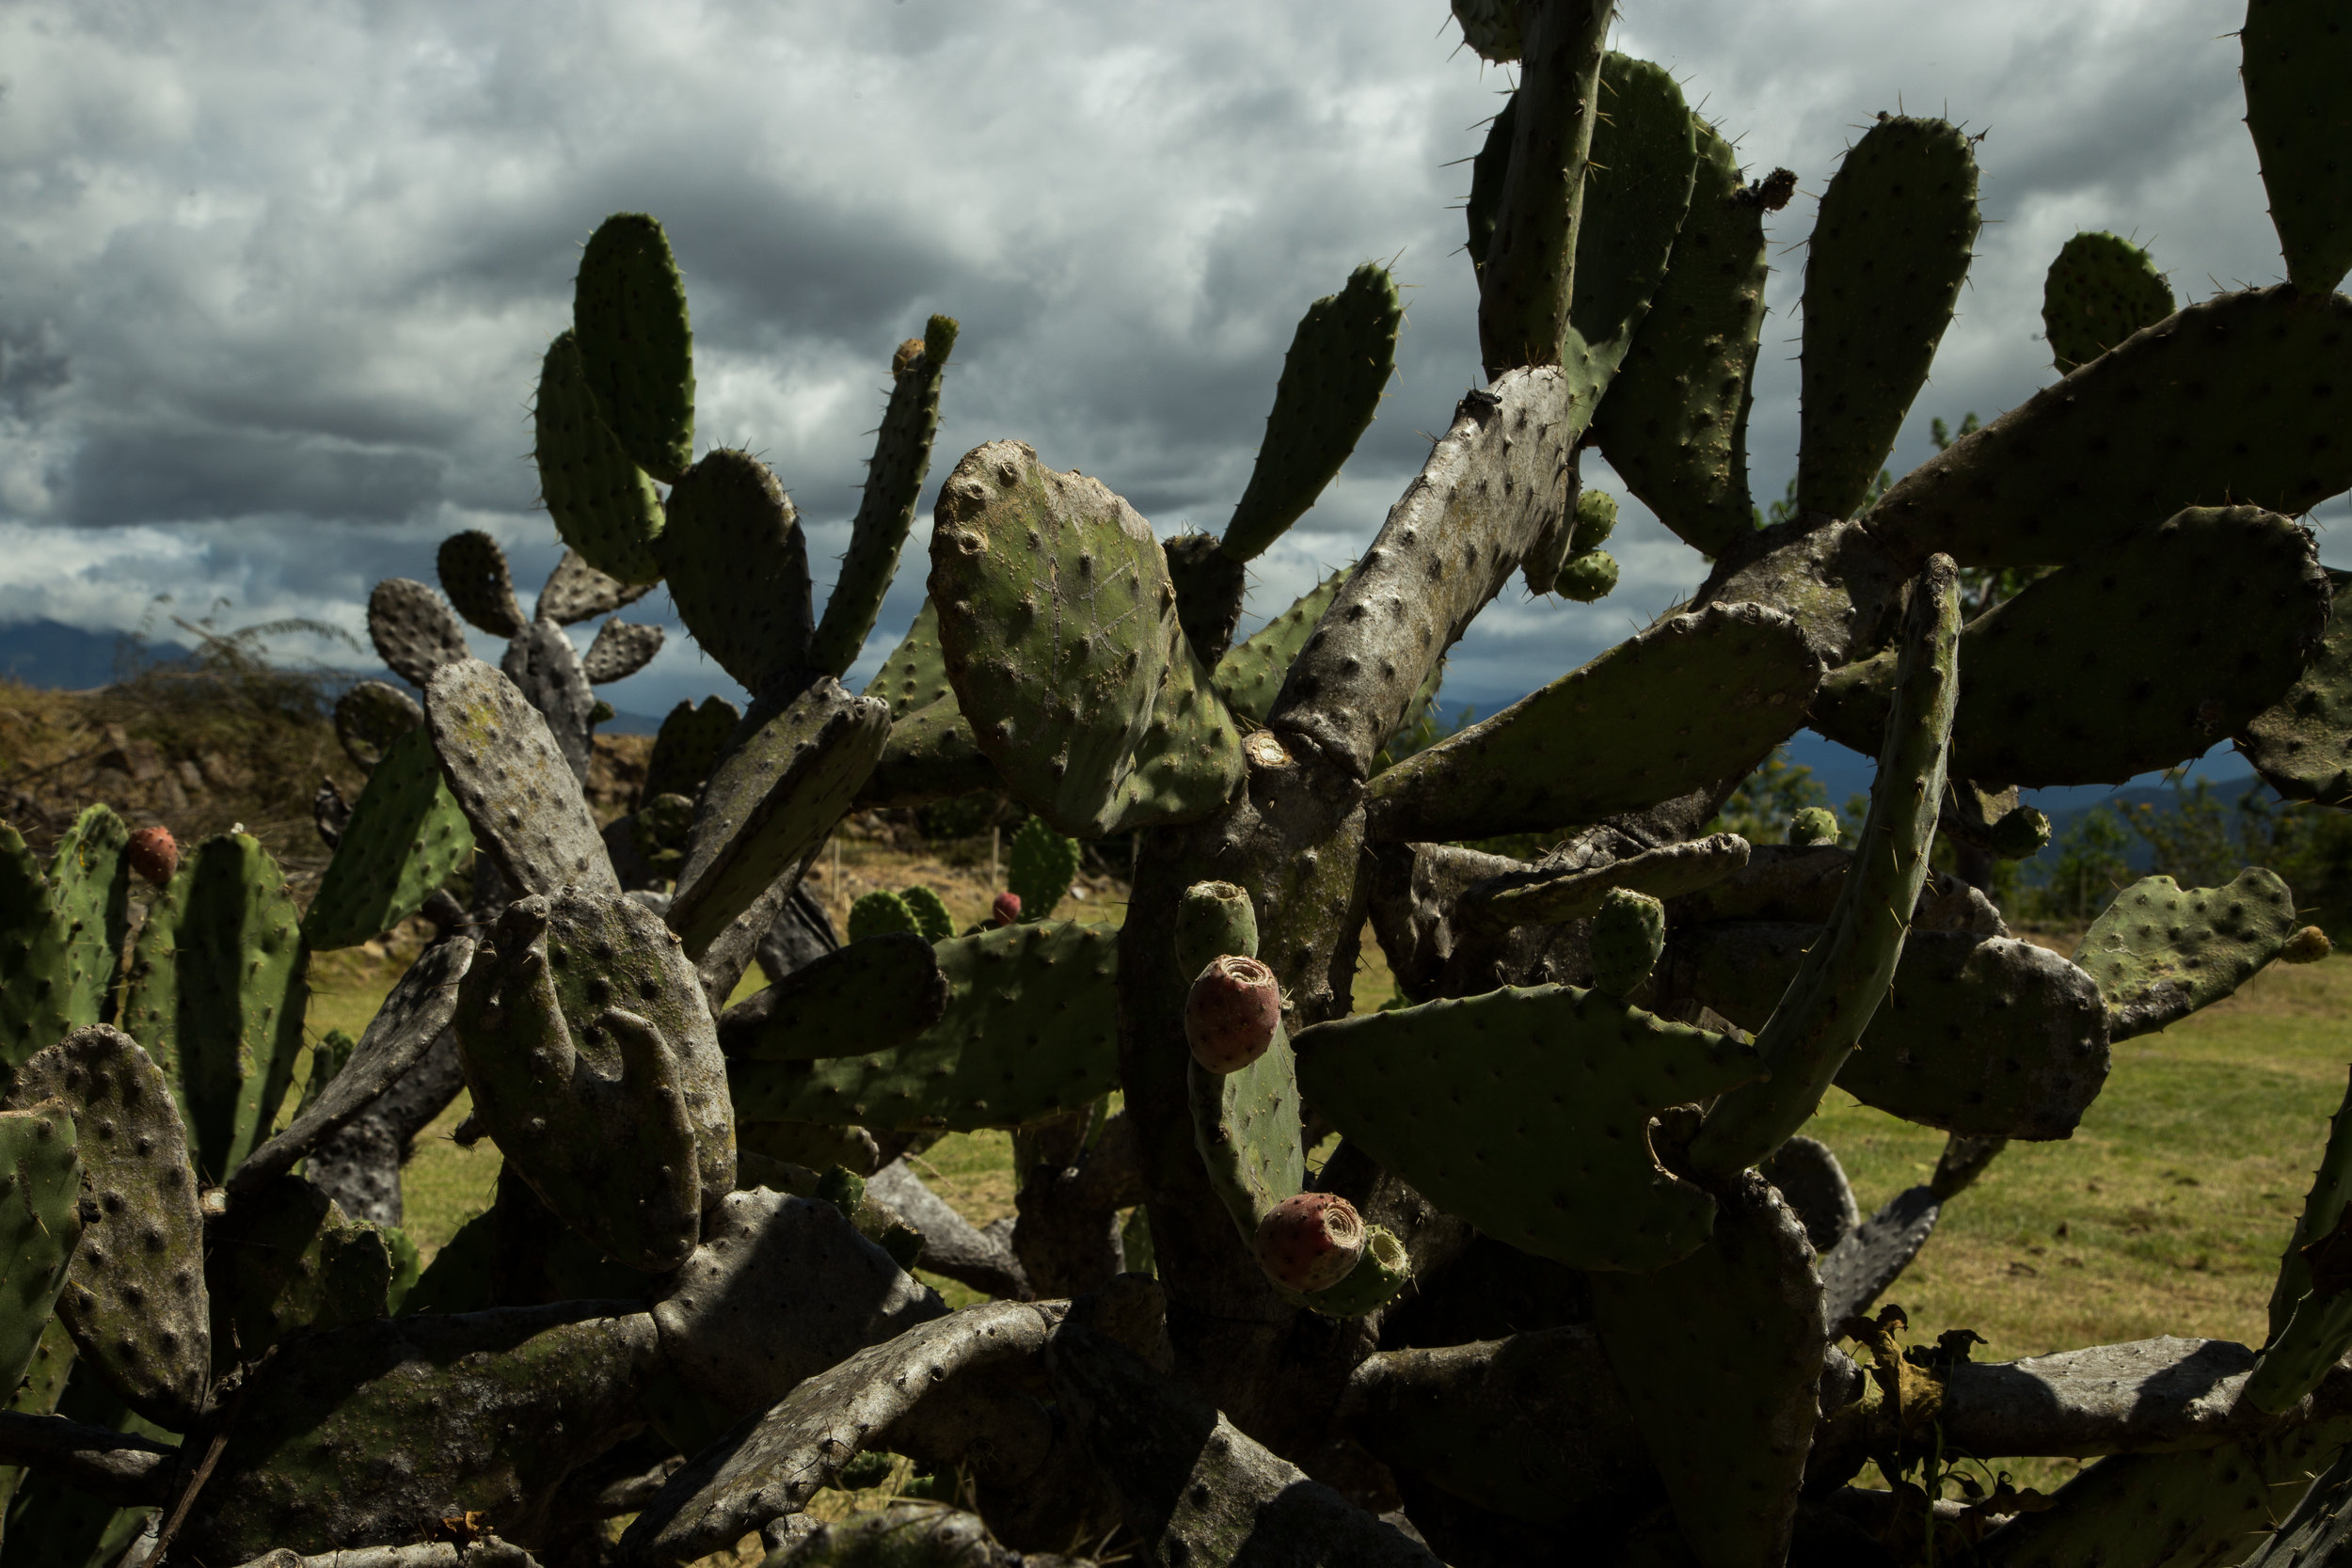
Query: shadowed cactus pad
(1628,933)
(40,1223)
(474,576)
(370,717)
(636,348)
(2296,52)
(737,565)
(405,838)
(1043,864)
(2100,289)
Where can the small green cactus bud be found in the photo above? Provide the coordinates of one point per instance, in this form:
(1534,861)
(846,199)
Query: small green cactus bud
(1596,518)
(844,1189)
(1311,1242)
(1589,575)
(1232,1013)
(878,913)
(2306,946)
(1212,919)
(2019,833)
(1627,935)
(1814,825)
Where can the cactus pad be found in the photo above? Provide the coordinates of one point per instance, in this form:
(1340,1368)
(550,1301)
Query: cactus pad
(40,1223)
(1249,677)
(217,991)
(915,674)
(282,1261)
(1719,1356)
(880,914)
(620,649)
(1550,896)
(880,992)
(929,755)
(1030,1028)
(2301,745)
(89,876)
(413,629)
(2298,52)
(1907,189)
(513,783)
(473,574)
(1211,920)
(1340,360)
(370,717)
(1628,933)
(1637,191)
(1246,1126)
(576,591)
(1043,864)
(1058,624)
(1490,27)
(772,802)
(2161,951)
(595,1064)
(1748,667)
(135,1296)
(2100,289)
(36,955)
(1473,1100)
(931,918)
(405,838)
(689,745)
(737,564)
(636,348)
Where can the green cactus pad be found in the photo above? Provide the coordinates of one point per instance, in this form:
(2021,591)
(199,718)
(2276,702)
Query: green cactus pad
(473,574)
(370,717)
(2094,675)
(90,879)
(1587,576)
(1249,677)
(218,985)
(1042,865)
(1908,190)
(1552,896)
(880,914)
(1673,425)
(893,481)
(1637,191)
(36,955)
(485,1412)
(2099,291)
(1030,1028)
(877,992)
(576,591)
(1720,1357)
(621,648)
(1983,1037)
(687,746)
(1472,1102)
(413,629)
(636,347)
(2228,401)
(283,1260)
(405,838)
(1058,625)
(1748,667)
(1628,933)
(737,564)
(40,1223)
(915,674)
(931,918)
(1214,920)
(1340,360)
(515,786)
(2297,54)
(135,1296)
(1246,1126)
(595,1064)
(2301,744)
(929,755)
(772,802)
(2161,951)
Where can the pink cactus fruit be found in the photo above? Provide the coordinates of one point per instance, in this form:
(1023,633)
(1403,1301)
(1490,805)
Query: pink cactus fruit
(1311,1242)
(1007,910)
(155,854)
(1231,1014)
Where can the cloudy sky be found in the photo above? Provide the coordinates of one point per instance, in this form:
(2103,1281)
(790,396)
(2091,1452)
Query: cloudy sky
(278,272)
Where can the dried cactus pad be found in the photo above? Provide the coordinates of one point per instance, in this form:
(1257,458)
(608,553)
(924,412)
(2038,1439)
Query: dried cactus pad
(1031,1027)
(2161,951)
(135,1299)
(1527,1113)
(620,649)
(513,783)
(413,629)
(595,1064)
(576,591)
(41,1221)
(1555,894)
(405,837)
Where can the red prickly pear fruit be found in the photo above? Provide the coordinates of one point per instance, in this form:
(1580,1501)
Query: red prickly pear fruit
(1231,1014)
(1007,910)
(1311,1241)
(154,855)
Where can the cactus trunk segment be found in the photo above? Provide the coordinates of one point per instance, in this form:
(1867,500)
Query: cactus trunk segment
(547,669)
(2140,439)
(90,876)
(603,505)
(872,994)
(473,574)
(41,1223)
(1605,738)
(2099,672)
(1674,423)
(370,717)
(217,991)
(413,629)
(780,1289)
(514,784)
(2162,951)
(1720,1357)
(421,1003)
(2297,54)
(1983,1037)
(284,1260)
(576,591)
(1249,677)
(2301,745)
(1340,360)
(636,347)
(620,649)
(405,836)
(737,564)
(2099,291)
(770,804)
(595,1064)
(771,1468)
(1471,1100)
(134,1297)
(893,481)
(1907,190)
(1528,276)
(1553,895)
(1845,975)
(689,744)
(1058,625)
(1028,1031)
(36,955)
(446,1416)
